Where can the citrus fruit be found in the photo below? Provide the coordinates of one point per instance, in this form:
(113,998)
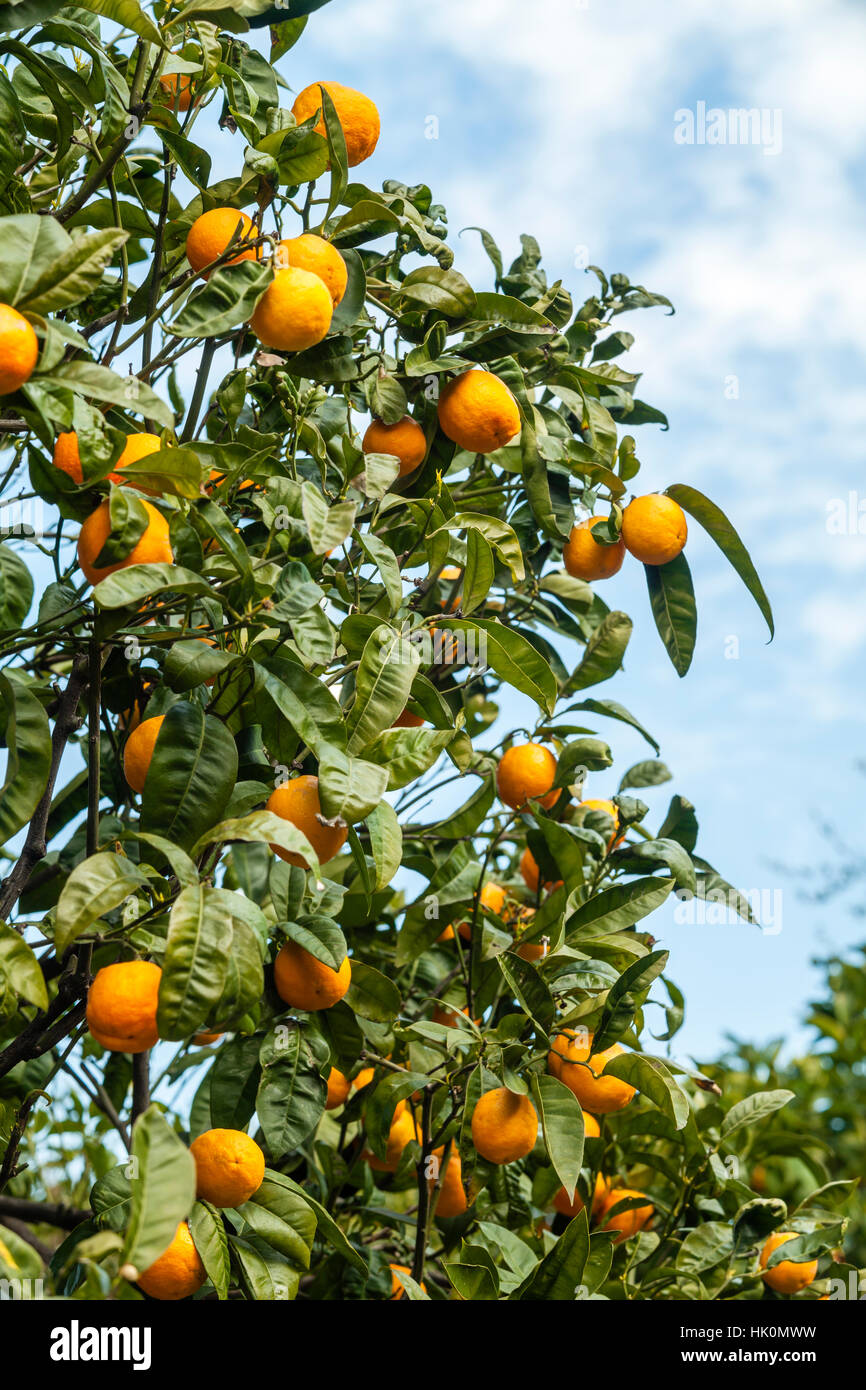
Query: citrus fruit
(178,89)
(492,897)
(478,412)
(654,528)
(610,810)
(298,802)
(151,548)
(596,1092)
(451,1197)
(504,1126)
(629,1222)
(178,1272)
(584,558)
(307,983)
(356,113)
(212,232)
(405,440)
(397,1290)
(526,772)
(321,257)
(138,751)
(402,1132)
(788,1276)
(229,1166)
(121,1006)
(339,1087)
(294,312)
(19,350)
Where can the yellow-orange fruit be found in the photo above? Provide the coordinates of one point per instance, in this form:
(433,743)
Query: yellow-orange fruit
(177,88)
(307,983)
(530,872)
(526,773)
(629,1222)
(451,1198)
(478,412)
(397,1290)
(610,809)
(405,440)
(320,257)
(356,113)
(212,232)
(68,459)
(19,350)
(178,1272)
(403,1131)
(584,558)
(600,1094)
(654,528)
(298,802)
(152,548)
(339,1087)
(504,1126)
(138,751)
(229,1166)
(567,1206)
(788,1276)
(294,312)
(121,1006)
(492,897)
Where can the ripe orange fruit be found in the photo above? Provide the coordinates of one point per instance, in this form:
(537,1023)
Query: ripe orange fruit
(320,257)
(402,1132)
(397,1290)
(789,1276)
(339,1087)
(530,872)
(211,233)
(294,312)
(492,896)
(598,1093)
(364,1077)
(601,1192)
(654,528)
(152,548)
(447,1015)
(178,1272)
(478,412)
(178,89)
(504,1126)
(451,1198)
(138,752)
(591,1126)
(229,1166)
(568,1206)
(307,983)
(584,558)
(526,772)
(121,1006)
(298,802)
(628,1223)
(608,807)
(405,440)
(68,459)
(19,350)
(356,113)
(407,720)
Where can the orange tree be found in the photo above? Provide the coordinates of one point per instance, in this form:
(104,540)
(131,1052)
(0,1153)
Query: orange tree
(394,1038)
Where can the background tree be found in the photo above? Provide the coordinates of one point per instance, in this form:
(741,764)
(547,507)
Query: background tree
(275,642)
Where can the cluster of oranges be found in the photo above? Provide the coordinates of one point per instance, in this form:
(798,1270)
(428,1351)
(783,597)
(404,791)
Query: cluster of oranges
(654,531)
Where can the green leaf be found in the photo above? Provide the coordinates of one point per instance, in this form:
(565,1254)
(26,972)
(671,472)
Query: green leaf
(16,589)
(191,775)
(128,588)
(282,1219)
(557,1276)
(228,299)
(162,1185)
(75,274)
(372,995)
(349,787)
(511,656)
(174,471)
(604,651)
(209,1237)
(383,683)
(101,384)
(562,1126)
(651,1077)
(328,1227)
(328,526)
(291,1095)
(753,1109)
(128,14)
(96,886)
(260,827)
(195,965)
(618,908)
(650,773)
(659,853)
(407,753)
(386,843)
(479,573)
(705,1247)
(436,288)
(714,521)
(28,742)
(672,598)
(21,968)
(613,710)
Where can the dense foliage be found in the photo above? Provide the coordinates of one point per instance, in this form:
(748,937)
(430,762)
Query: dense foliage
(310,598)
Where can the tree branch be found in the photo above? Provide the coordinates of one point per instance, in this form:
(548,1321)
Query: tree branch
(43,1213)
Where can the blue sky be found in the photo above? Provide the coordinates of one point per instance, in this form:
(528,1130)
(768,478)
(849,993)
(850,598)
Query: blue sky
(559,120)
(564,127)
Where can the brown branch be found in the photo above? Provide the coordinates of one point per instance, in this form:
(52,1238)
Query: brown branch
(423,1189)
(24,1233)
(43,1213)
(140,1084)
(67,721)
(48,1028)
